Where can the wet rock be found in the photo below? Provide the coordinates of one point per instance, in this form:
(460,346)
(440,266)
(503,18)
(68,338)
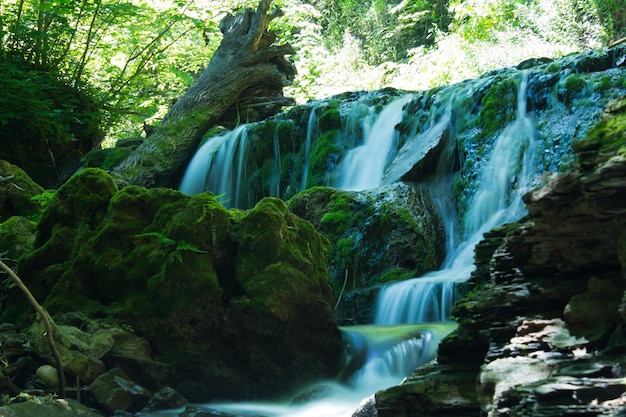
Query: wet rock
(114,390)
(542,329)
(80,352)
(199,411)
(165,399)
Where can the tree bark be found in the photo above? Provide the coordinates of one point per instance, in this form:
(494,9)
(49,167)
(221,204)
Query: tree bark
(247,73)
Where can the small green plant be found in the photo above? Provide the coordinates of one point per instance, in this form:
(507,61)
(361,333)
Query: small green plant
(43,198)
(170,255)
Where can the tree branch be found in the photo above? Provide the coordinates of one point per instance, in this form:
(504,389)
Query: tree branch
(47,323)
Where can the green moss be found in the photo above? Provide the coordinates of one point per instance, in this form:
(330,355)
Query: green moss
(603,84)
(325,155)
(607,136)
(498,106)
(553,67)
(106,158)
(212,132)
(17,235)
(395,274)
(83,199)
(575,86)
(287,132)
(16,193)
(335,220)
(330,119)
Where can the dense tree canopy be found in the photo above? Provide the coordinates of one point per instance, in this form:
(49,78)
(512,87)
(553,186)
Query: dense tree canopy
(123,62)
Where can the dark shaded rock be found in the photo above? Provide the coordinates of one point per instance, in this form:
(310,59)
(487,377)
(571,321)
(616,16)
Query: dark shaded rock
(418,158)
(164,399)
(17,190)
(114,390)
(47,407)
(199,411)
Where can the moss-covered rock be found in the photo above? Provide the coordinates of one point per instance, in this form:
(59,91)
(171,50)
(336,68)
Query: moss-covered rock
(233,303)
(605,138)
(17,236)
(498,106)
(376,236)
(106,158)
(18,193)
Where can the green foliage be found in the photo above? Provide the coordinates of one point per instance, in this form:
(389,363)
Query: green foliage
(574,86)
(42,115)
(386,30)
(164,250)
(43,199)
(498,106)
(165,241)
(137,55)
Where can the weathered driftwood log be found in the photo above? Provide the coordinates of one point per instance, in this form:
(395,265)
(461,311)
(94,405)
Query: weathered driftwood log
(245,76)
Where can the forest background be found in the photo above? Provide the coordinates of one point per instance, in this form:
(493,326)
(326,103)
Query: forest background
(106,67)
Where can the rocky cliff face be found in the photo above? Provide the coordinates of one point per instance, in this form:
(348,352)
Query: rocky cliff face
(542,332)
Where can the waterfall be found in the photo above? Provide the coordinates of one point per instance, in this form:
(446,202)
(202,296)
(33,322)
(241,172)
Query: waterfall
(312,131)
(220,166)
(412,315)
(506,176)
(363,166)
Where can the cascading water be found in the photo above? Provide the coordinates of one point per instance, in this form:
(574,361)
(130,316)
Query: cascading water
(411,317)
(363,167)
(219,166)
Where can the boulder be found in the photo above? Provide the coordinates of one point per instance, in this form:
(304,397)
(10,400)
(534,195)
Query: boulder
(17,235)
(167,398)
(114,390)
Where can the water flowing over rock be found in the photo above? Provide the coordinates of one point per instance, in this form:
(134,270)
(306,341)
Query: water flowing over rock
(543,330)
(237,303)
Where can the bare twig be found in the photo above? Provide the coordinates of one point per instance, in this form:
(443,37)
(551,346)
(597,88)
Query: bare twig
(46,321)
(345,280)
(617,42)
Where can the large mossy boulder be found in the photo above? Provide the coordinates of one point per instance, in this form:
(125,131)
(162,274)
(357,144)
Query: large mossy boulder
(235,304)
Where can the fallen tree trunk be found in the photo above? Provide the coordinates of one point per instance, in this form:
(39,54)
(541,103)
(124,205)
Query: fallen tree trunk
(245,77)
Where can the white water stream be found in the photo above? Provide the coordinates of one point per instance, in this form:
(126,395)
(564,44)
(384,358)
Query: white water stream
(363,167)
(412,315)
